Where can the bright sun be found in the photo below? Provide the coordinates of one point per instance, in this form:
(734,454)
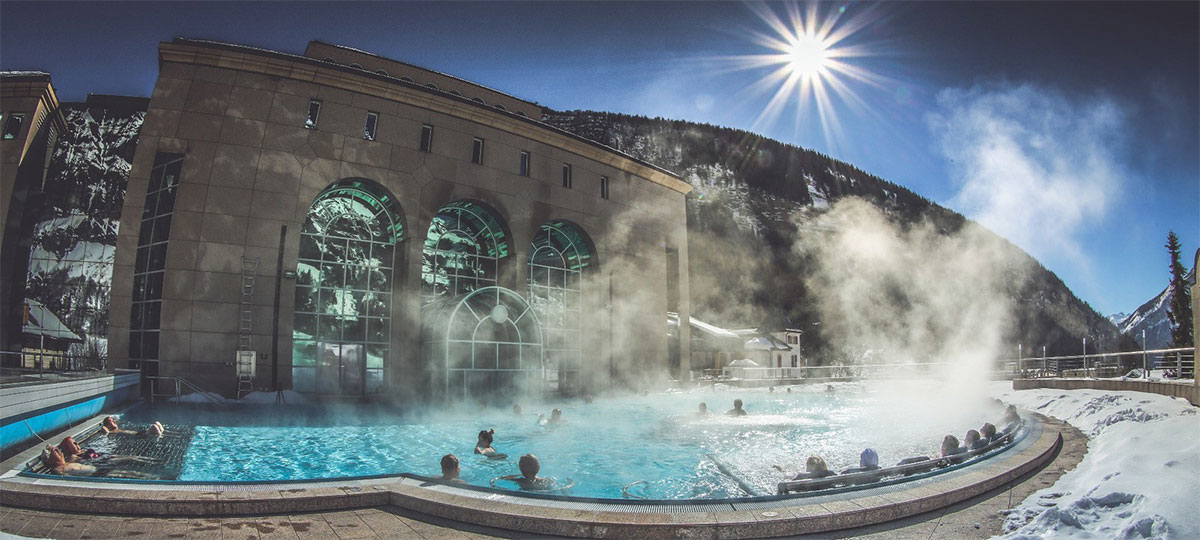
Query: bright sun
(808,56)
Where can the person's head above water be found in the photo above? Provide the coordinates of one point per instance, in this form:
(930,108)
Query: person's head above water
(737,404)
(1010,415)
(450,469)
(516,408)
(703,407)
(486,437)
(972,437)
(53,457)
(988,430)
(69,447)
(529,466)
(815,464)
(868,459)
(949,444)
(110,422)
(556,414)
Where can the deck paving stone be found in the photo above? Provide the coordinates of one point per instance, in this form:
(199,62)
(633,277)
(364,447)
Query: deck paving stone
(348,525)
(40,526)
(239,529)
(70,527)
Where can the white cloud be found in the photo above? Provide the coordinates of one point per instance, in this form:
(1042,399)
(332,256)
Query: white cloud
(1031,164)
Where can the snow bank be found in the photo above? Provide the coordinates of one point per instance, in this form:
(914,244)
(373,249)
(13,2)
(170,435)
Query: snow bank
(1141,475)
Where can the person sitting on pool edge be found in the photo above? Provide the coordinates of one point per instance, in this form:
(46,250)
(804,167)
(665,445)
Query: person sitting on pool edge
(450,468)
(484,445)
(867,461)
(737,409)
(528,479)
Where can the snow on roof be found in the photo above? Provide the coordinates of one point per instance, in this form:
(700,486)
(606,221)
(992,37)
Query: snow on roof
(22,73)
(703,327)
(43,322)
(766,343)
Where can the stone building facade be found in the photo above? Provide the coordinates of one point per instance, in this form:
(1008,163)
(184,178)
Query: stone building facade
(435,237)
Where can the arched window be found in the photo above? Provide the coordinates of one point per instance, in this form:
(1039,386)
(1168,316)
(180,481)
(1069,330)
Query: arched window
(487,342)
(561,252)
(344,280)
(464,243)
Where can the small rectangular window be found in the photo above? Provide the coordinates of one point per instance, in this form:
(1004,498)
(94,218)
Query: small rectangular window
(477,151)
(372,123)
(426,138)
(524,163)
(603,187)
(314,112)
(12,128)
(567,175)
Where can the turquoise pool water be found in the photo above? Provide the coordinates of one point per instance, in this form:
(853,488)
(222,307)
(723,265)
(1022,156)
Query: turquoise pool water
(655,444)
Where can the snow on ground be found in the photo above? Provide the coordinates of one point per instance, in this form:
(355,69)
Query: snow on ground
(1139,479)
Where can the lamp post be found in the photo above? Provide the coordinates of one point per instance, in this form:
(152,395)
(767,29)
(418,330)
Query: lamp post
(1085,363)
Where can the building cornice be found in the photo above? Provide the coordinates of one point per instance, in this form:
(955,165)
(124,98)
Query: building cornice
(306,69)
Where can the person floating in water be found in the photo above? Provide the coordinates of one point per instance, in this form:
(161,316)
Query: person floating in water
(110,427)
(484,445)
(56,462)
(528,479)
(450,468)
(737,409)
(703,409)
(987,432)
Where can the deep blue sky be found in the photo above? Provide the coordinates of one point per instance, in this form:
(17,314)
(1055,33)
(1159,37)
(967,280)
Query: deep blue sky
(1094,104)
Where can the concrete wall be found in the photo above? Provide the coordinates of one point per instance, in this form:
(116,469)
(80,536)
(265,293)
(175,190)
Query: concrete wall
(1185,391)
(251,166)
(49,407)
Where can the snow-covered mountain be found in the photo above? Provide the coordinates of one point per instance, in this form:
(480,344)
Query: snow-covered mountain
(1152,318)
(1116,318)
(755,199)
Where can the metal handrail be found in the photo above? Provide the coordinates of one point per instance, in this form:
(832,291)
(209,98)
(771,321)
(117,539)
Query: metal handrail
(180,383)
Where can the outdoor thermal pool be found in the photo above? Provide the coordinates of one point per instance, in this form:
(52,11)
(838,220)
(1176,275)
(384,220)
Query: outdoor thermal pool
(655,444)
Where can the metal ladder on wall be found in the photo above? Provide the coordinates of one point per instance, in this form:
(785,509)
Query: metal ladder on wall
(245,320)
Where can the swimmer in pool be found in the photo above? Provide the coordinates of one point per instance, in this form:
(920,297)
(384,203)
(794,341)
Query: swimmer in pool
(737,409)
(450,468)
(528,479)
(484,445)
(56,462)
(703,410)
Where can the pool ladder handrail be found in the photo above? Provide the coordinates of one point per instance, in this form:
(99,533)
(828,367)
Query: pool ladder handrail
(180,384)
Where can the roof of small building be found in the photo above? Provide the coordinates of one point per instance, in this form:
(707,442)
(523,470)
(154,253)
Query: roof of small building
(43,322)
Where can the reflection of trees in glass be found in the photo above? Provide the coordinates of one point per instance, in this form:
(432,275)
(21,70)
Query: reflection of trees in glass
(343,287)
(73,244)
(461,248)
(559,254)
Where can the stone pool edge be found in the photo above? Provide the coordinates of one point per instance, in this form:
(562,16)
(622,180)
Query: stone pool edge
(733,520)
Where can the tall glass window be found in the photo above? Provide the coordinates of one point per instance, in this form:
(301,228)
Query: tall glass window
(344,279)
(151,260)
(465,241)
(560,253)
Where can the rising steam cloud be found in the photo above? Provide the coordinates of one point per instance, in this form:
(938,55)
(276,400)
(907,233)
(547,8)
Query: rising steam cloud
(1031,164)
(892,293)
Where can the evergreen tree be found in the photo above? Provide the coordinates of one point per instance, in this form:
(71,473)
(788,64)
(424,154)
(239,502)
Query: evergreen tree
(1180,311)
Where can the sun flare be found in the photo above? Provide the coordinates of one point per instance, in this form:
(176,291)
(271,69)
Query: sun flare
(809,55)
